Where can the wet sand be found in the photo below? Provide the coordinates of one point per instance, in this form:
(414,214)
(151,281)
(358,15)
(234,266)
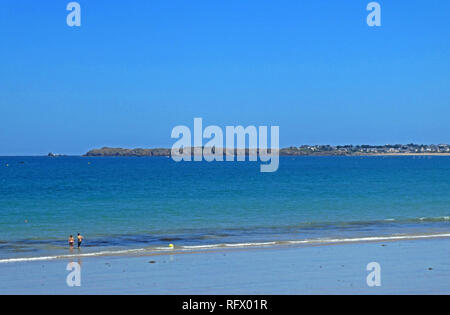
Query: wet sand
(407,267)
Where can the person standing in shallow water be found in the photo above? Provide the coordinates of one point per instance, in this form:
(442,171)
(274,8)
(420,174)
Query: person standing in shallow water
(80,240)
(71,241)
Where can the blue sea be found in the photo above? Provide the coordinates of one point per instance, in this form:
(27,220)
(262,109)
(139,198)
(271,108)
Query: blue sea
(127,203)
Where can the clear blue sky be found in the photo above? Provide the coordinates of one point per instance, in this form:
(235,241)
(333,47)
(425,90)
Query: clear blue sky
(137,68)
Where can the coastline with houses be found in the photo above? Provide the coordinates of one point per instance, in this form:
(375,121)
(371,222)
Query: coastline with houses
(304,150)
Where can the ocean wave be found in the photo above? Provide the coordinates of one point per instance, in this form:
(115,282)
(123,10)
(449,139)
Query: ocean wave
(385,221)
(74,256)
(174,250)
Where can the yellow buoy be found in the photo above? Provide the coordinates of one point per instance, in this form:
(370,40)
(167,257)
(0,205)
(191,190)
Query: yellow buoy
(171,245)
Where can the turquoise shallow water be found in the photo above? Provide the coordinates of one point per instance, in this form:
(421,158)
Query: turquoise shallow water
(142,202)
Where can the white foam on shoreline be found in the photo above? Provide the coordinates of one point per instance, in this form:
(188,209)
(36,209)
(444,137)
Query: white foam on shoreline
(95,254)
(224,246)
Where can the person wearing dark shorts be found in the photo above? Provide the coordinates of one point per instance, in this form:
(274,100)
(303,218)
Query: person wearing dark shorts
(80,240)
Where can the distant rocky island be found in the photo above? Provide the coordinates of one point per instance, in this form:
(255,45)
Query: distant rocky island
(304,150)
(128,152)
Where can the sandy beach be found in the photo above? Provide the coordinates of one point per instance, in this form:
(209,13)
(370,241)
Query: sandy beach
(407,267)
(411,154)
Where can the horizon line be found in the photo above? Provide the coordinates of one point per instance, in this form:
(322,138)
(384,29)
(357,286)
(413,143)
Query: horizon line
(224,148)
